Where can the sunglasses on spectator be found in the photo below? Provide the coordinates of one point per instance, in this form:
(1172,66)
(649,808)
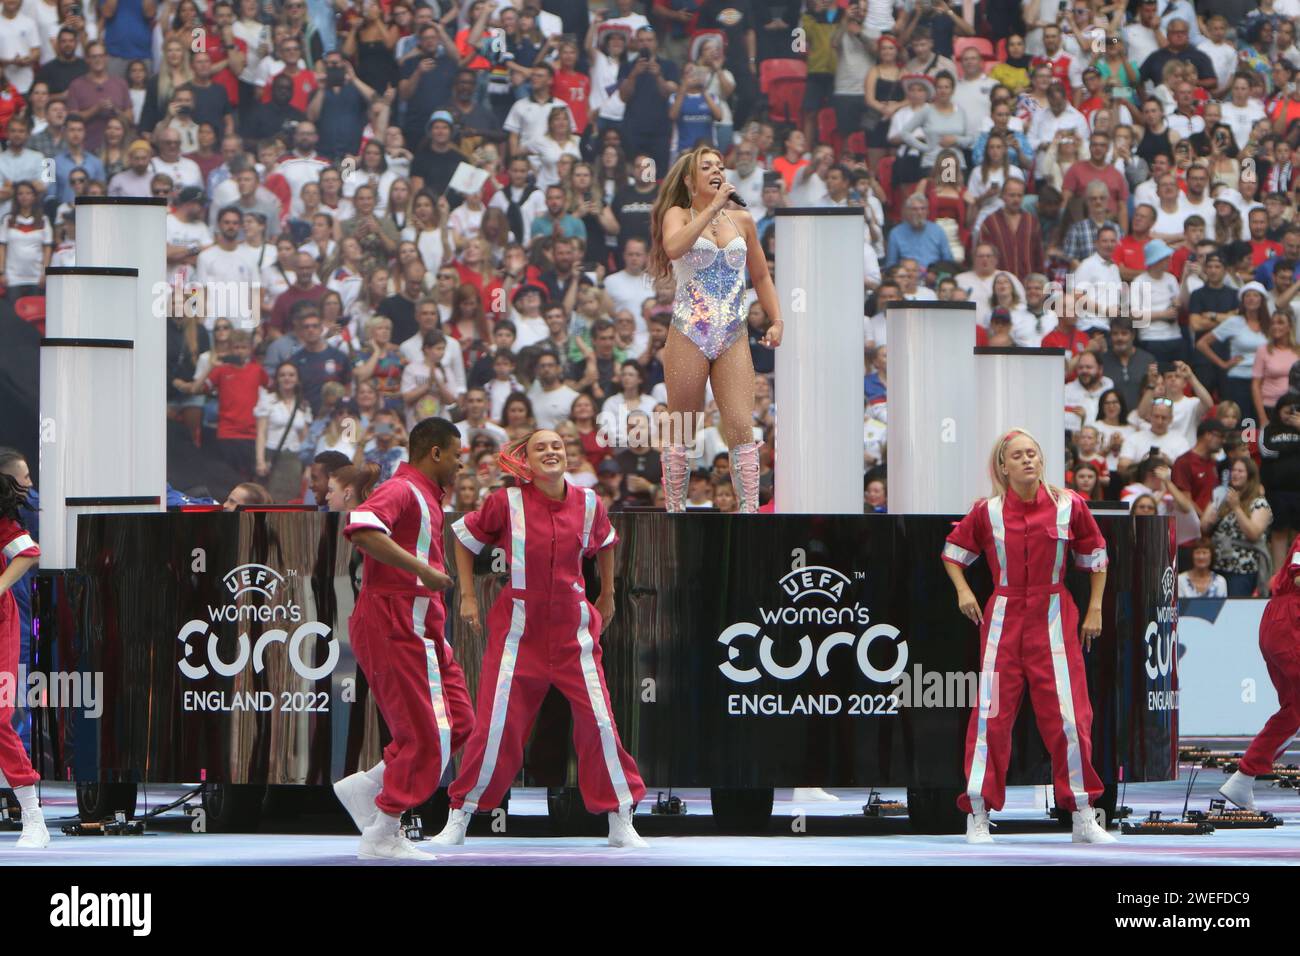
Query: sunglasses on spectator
(162,192)
(1163,401)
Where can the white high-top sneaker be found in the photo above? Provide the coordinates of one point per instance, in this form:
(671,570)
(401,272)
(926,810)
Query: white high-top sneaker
(383,840)
(1239,790)
(622,833)
(1086,829)
(35,836)
(357,793)
(812,795)
(977,828)
(453,834)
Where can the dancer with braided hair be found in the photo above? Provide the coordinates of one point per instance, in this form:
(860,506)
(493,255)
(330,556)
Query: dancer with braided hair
(542,633)
(18,554)
(708,249)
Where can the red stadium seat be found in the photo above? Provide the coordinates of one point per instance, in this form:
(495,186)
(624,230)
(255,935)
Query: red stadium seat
(31,309)
(985,48)
(856,144)
(828,129)
(1001,53)
(785,101)
(770,71)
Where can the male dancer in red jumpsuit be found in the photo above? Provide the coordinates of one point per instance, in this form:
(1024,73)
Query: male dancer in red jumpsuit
(1279,642)
(397,634)
(542,632)
(1028,632)
(18,554)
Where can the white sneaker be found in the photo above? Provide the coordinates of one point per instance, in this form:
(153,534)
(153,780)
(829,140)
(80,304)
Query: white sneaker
(383,840)
(1239,790)
(977,828)
(1087,829)
(357,794)
(453,834)
(622,833)
(812,795)
(35,836)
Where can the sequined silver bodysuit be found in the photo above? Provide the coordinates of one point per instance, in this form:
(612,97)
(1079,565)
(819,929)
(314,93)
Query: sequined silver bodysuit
(709,307)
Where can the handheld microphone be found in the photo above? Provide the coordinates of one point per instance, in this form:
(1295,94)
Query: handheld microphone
(739,200)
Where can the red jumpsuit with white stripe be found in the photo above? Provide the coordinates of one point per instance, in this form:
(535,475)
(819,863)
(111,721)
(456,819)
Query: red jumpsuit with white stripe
(398,635)
(14,762)
(1279,642)
(543,632)
(1030,635)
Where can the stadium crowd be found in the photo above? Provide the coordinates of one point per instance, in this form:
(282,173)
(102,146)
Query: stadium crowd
(444,208)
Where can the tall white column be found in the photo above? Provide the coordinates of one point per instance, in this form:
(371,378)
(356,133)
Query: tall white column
(933,428)
(88,425)
(1024,388)
(132,233)
(819,366)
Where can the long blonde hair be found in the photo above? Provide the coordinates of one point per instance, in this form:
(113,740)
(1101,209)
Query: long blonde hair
(673,192)
(996,460)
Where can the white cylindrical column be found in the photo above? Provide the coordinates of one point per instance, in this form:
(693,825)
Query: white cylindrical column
(1006,378)
(934,458)
(819,363)
(87,403)
(132,233)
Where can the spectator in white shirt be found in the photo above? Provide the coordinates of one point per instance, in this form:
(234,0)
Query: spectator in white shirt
(1097,285)
(1160,435)
(633,285)
(20,45)
(551,398)
(1153,302)
(1083,395)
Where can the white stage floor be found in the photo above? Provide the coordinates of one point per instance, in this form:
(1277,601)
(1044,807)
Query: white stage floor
(837,835)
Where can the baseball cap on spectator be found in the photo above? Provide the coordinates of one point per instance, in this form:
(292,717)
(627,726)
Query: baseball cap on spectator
(919,79)
(189,194)
(1155,250)
(481,436)
(441,116)
(608,467)
(1210,425)
(1000,314)
(140,144)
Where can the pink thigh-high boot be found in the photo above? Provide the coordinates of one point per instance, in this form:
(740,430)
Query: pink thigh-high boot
(744,475)
(677,477)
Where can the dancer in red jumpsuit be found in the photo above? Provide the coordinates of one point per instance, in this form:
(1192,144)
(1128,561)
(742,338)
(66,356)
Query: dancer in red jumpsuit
(542,632)
(1029,631)
(1279,642)
(18,553)
(397,633)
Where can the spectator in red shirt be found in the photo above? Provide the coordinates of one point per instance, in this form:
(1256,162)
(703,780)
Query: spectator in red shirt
(572,87)
(306,289)
(1056,58)
(1067,335)
(1196,471)
(1262,248)
(1193,240)
(1096,168)
(237,385)
(1129,254)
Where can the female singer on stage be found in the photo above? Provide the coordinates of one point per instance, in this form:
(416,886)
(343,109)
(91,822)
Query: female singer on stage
(18,554)
(709,248)
(1029,632)
(542,632)
(1279,642)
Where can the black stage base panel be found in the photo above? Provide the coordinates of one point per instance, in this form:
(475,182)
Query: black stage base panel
(747,651)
